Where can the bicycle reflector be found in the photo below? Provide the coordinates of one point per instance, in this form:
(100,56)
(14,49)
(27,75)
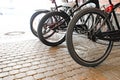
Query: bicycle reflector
(109,8)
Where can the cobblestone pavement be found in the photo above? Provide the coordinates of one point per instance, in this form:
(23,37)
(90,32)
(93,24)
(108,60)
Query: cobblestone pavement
(29,59)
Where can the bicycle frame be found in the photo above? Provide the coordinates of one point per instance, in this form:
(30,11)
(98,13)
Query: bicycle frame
(76,6)
(79,7)
(114,33)
(111,9)
(114,13)
(89,1)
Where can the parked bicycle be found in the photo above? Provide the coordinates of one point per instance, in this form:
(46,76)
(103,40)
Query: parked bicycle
(36,17)
(52,27)
(93,47)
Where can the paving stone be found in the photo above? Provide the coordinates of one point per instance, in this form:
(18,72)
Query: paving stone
(41,70)
(17,67)
(9,78)
(50,68)
(49,78)
(70,78)
(0,70)
(69,68)
(7,69)
(3,66)
(32,72)
(28,78)
(32,60)
(49,73)
(14,72)
(51,63)
(6,62)
(59,71)
(21,62)
(4,74)
(28,61)
(24,69)
(26,64)
(78,77)
(35,63)
(44,61)
(34,67)
(59,66)
(59,77)
(20,75)
(39,76)
(43,65)
(11,64)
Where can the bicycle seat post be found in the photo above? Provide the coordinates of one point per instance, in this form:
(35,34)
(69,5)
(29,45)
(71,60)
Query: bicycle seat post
(110,1)
(76,2)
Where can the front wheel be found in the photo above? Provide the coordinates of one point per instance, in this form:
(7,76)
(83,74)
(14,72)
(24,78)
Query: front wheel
(86,48)
(35,19)
(52,28)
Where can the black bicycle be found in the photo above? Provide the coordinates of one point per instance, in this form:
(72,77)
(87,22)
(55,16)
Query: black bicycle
(93,47)
(36,17)
(52,27)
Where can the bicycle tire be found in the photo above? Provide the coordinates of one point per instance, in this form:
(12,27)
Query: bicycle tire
(55,16)
(37,13)
(79,53)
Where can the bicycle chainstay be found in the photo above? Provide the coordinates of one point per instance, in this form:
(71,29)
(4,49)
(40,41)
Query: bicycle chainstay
(110,36)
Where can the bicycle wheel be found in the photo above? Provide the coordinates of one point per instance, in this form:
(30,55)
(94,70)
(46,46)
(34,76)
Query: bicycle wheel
(52,28)
(35,19)
(86,48)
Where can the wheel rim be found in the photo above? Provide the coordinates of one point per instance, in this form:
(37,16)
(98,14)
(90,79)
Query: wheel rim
(52,29)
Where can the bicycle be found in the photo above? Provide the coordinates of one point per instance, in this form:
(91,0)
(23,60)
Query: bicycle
(36,17)
(93,47)
(52,27)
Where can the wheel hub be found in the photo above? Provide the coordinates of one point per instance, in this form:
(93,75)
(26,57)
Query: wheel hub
(91,35)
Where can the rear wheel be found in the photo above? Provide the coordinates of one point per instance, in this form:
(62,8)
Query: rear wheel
(35,19)
(86,48)
(52,28)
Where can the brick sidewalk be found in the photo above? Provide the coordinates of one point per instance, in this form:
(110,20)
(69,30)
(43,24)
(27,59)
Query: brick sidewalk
(24,57)
(32,60)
